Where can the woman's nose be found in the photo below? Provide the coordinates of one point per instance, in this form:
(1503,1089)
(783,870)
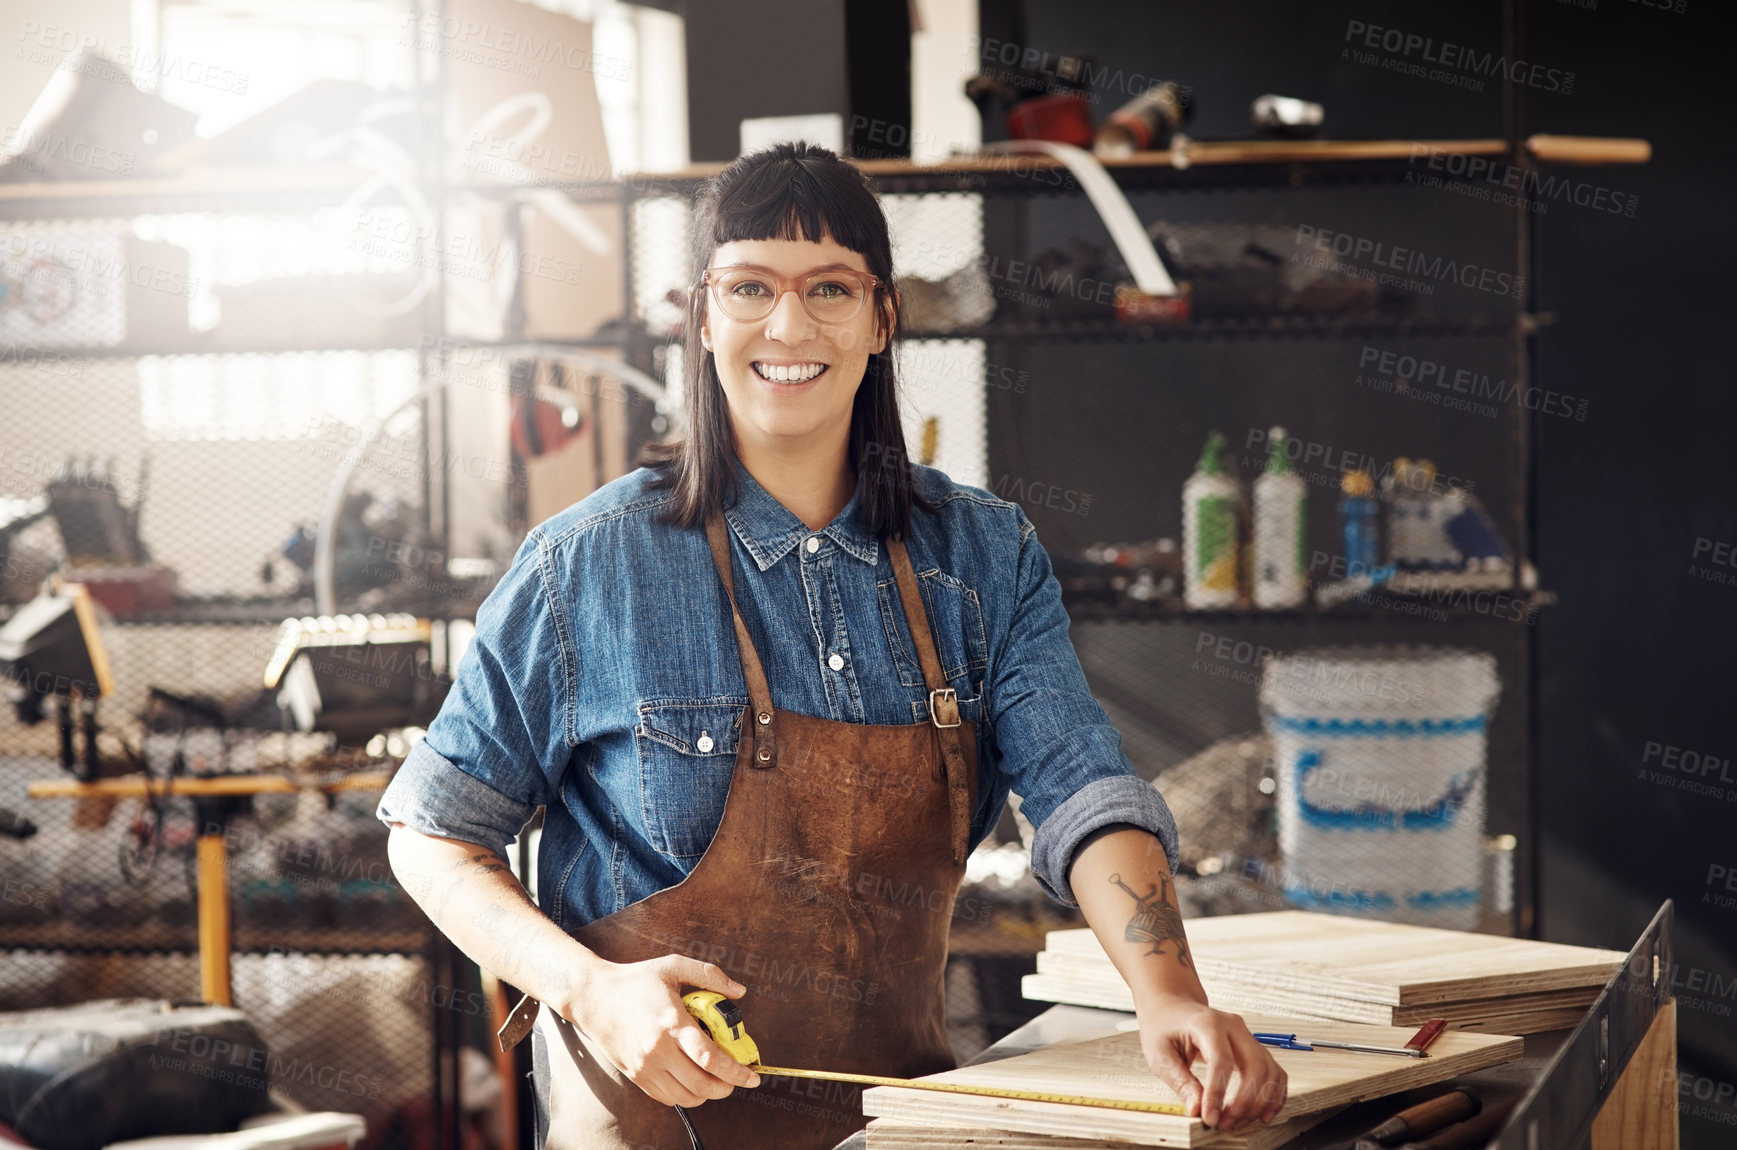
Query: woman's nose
(789,321)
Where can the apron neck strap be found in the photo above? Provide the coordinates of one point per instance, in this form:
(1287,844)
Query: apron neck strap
(759,693)
(943,705)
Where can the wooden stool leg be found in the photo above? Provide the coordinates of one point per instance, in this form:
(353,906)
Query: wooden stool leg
(214,920)
(1641,1112)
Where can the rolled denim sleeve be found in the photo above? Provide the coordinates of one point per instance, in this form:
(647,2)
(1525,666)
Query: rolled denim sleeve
(498,747)
(1056,744)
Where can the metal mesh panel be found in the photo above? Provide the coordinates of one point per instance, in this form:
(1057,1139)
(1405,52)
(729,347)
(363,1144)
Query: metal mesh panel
(118,388)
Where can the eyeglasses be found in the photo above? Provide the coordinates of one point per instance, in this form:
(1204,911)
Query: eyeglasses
(749,294)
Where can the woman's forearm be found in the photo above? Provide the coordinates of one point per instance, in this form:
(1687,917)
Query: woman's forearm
(1123,884)
(472,896)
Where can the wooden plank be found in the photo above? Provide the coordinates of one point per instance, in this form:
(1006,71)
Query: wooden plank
(886,1134)
(1641,1112)
(1115,1067)
(1115,996)
(1069,978)
(1342,957)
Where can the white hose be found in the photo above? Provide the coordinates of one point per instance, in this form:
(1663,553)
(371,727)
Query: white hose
(1118,215)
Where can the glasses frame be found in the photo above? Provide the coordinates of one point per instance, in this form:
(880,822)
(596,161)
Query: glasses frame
(796,284)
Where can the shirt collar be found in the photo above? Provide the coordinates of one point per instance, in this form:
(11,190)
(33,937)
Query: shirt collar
(769,530)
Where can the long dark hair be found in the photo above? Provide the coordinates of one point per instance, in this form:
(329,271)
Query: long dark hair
(786,192)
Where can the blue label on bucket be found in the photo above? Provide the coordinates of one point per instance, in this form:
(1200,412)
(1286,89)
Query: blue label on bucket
(1380,728)
(1369,817)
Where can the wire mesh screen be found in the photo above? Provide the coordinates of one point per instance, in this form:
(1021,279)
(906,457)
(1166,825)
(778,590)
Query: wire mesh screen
(181,480)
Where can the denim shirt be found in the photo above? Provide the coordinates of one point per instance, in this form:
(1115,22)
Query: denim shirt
(603,683)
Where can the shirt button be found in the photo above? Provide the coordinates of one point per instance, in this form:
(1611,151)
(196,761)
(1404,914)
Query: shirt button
(813,544)
(835,661)
(704,743)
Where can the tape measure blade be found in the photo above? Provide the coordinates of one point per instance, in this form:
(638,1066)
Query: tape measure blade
(979,1091)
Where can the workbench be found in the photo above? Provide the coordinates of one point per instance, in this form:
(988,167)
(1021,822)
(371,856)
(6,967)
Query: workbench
(1608,1084)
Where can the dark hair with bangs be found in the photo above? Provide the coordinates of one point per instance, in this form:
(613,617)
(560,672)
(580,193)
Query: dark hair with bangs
(788,192)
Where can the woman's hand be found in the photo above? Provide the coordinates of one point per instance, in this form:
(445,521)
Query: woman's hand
(1176,1031)
(633,1013)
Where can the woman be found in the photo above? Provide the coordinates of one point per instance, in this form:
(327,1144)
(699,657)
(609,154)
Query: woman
(771,689)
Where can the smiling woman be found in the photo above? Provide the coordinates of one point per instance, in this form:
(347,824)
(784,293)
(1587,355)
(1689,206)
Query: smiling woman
(791,367)
(771,689)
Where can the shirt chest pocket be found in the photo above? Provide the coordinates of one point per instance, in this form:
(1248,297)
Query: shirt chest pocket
(955,618)
(687,755)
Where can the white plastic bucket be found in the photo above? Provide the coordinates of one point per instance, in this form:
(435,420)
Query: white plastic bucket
(1381,762)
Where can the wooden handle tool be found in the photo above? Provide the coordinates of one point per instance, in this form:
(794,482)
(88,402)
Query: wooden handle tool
(1424,1119)
(1472,1132)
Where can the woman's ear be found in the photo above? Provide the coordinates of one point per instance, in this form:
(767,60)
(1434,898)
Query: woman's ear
(889,321)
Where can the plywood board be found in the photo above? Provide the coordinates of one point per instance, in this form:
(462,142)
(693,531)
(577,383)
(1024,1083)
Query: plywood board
(1342,957)
(1084,982)
(1114,1067)
(887,1134)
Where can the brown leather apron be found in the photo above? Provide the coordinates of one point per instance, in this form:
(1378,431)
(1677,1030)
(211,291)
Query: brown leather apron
(828,891)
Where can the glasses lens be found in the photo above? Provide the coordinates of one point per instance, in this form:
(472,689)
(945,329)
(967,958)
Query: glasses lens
(743,295)
(748,294)
(832,297)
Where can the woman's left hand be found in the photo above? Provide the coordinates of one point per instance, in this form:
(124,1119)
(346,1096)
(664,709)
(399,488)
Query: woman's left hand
(1175,1032)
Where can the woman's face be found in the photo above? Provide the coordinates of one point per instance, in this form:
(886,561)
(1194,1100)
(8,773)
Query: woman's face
(785,413)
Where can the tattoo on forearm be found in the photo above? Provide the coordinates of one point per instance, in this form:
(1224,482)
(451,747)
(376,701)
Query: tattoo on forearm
(1155,921)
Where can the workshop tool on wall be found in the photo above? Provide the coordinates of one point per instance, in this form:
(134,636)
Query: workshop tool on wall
(214,798)
(1148,122)
(51,649)
(1424,1119)
(356,676)
(1286,116)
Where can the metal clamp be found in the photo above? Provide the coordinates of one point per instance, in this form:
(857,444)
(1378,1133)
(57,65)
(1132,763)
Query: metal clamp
(948,697)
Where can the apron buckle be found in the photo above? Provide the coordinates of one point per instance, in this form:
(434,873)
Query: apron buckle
(944,700)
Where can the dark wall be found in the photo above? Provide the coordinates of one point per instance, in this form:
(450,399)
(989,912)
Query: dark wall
(1641,651)
(752,58)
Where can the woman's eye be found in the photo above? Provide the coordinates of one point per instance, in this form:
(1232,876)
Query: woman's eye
(748,289)
(831,289)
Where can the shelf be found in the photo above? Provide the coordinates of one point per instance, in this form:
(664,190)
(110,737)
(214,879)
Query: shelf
(60,935)
(19,353)
(1506,607)
(1258,327)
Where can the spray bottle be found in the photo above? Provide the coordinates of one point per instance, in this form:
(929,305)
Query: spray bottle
(1209,531)
(1281,556)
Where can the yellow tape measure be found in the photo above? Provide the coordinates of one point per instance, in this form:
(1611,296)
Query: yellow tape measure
(723,1021)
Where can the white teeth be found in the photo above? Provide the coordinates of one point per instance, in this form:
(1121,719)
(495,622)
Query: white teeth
(795,373)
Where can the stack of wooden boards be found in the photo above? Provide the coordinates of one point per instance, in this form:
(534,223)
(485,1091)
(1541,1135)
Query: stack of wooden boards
(1322,966)
(1321,1082)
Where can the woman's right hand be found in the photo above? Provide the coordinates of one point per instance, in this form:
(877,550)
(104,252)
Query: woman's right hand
(633,1013)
